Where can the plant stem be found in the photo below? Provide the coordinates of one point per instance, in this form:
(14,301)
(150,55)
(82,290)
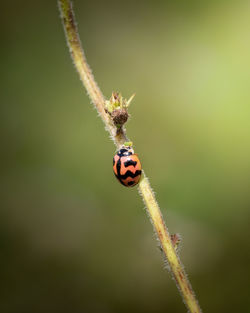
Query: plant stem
(119,138)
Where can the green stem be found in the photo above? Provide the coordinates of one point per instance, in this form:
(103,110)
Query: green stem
(119,139)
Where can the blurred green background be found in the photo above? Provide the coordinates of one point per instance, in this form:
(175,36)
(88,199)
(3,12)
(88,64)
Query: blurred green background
(71,238)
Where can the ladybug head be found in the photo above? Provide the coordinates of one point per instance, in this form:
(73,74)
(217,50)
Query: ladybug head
(126,151)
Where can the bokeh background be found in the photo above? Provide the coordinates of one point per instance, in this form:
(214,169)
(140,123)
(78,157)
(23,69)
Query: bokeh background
(71,238)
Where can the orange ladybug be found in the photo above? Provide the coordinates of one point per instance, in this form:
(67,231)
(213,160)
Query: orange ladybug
(127,167)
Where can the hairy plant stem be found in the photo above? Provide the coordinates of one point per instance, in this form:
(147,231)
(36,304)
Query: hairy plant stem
(119,137)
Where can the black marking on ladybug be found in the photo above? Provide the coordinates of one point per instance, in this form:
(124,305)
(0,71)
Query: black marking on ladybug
(118,167)
(118,175)
(130,174)
(129,163)
(131,183)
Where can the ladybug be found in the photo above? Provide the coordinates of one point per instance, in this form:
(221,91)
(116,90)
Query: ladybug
(127,167)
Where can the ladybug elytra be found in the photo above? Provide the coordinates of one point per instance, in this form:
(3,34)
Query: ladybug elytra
(127,167)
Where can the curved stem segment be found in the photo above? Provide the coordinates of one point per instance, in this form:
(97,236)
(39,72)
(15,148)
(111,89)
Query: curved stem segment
(84,70)
(119,138)
(175,266)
